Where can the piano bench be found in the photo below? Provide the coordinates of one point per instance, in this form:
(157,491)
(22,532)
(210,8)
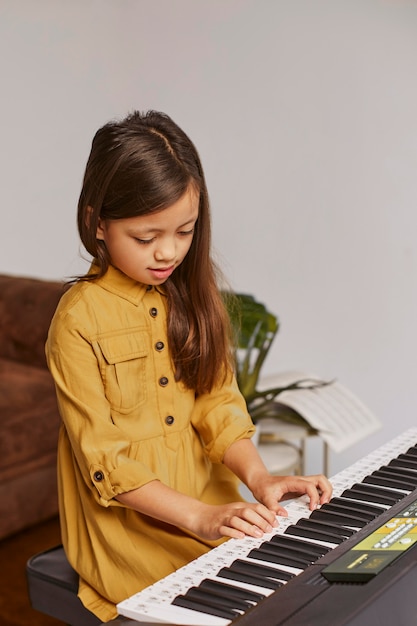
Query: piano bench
(53,587)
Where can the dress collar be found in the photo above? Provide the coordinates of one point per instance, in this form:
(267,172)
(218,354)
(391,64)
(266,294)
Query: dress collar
(123,286)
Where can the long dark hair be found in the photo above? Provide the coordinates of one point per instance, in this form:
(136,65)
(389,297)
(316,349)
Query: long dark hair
(139,165)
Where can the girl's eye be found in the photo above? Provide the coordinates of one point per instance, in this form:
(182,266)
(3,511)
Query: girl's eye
(187,232)
(143,241)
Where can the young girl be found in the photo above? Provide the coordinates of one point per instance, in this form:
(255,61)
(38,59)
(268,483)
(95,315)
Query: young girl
(155,432)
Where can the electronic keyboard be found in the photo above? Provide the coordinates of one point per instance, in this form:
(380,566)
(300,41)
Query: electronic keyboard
(350,562)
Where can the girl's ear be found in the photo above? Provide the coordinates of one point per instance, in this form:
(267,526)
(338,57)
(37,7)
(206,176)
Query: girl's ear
(89,215)
(100,229)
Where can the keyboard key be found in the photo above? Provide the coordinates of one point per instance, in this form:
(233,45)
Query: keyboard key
(410,459)
(188,603)
(400,463)
(221,601)
(250,579)
(230,590)
(350,510)
(369,496)
(340,518)
(310,533)
(280,558)
(260,570)
(408,477)
(329,525)
(302,547)
(360,506)
(388,482)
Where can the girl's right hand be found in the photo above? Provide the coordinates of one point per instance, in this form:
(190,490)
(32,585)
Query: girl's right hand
(208,521)
(237,520)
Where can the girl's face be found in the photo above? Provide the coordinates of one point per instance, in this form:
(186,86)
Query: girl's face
(148,248)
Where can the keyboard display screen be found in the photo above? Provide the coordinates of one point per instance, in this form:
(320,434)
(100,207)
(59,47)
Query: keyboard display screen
(371,555)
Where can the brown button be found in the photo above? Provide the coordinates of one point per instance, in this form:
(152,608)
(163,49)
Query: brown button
(149,288)
(169,420)
(163,381)
(159,346)
(153,312)
(98,476)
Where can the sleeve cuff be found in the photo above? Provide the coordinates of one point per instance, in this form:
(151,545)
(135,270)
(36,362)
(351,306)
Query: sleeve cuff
(126,477)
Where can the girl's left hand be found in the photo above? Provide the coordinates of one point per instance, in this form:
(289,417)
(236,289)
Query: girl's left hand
(270,490)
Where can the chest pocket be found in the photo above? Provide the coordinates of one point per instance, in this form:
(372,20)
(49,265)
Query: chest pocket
(124,372)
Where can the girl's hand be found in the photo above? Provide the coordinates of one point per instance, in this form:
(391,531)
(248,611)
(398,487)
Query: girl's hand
(237,519)
(270,490)
(243,459)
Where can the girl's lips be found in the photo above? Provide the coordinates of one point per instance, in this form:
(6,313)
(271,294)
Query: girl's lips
(163,272)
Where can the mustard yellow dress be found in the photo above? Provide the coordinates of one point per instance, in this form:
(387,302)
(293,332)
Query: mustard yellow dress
(125,422)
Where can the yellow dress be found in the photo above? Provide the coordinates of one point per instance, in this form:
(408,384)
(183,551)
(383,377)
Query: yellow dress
(127,422)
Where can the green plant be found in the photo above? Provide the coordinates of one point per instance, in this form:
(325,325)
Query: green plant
(255,329)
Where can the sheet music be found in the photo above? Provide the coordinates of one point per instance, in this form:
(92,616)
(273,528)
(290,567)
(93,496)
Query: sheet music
(338,415)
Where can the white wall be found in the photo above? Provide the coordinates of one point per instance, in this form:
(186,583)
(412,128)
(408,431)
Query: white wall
(304,112)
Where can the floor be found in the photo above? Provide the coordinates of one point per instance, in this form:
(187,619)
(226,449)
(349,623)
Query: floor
(15,609)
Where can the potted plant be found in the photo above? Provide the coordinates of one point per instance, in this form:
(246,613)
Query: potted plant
(255,329)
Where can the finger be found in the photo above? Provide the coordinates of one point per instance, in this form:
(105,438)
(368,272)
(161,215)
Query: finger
(318,494)
(303,486)
(326,490)
(266,513)
(252,522)
(233,533)
(259,517)
(279,510)
(272,503)
(238,529)
(323,486)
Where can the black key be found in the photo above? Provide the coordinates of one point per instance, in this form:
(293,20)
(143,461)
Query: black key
(230,590)
(406,474)
(332,527)
(360,506)
(188,603)
(352,510)
(378,491)
(312,549)
(387,482)
(396,473)
(412,450)
(290,550)
(400,463)
(370,496)
(310,533)
(222,602)
(279,559)
(260,570)
(410,458)
(340,518)
(251,579)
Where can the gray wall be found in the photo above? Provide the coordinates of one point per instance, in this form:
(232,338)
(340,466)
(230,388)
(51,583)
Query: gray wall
(304,112)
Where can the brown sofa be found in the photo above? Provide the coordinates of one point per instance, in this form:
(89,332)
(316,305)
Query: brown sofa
(28,409)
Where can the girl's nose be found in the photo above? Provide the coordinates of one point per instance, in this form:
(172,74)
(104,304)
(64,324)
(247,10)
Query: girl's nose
(165,250)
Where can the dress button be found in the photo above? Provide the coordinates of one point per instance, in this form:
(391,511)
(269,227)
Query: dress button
(153,311)
(169,420)
(98,476)
(163,381)
(149,288)
(159,346)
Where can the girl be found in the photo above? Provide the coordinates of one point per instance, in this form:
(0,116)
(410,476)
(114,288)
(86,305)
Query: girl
(155,433)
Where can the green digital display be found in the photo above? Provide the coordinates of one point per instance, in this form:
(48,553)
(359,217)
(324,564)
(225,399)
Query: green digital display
(380,548)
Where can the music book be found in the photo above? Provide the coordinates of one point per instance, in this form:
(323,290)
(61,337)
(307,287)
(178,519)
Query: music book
(338,415)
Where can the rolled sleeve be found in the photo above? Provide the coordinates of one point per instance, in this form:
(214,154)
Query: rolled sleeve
(106,457)
(221,418)
(121,479)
